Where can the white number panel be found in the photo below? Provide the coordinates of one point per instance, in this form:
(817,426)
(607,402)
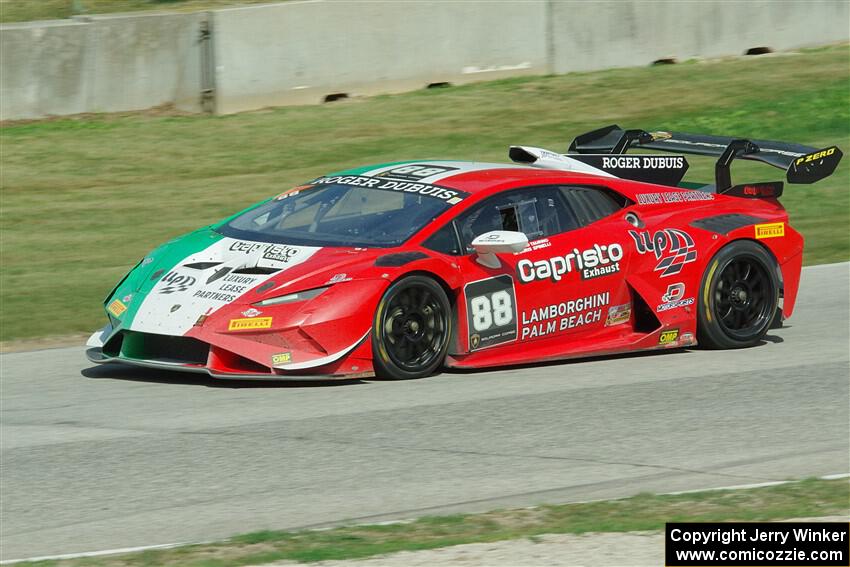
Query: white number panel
(491,312)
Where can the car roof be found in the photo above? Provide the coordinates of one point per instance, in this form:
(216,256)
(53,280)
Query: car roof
(470,176)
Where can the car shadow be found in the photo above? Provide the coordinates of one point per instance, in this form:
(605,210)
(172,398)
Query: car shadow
(156,376)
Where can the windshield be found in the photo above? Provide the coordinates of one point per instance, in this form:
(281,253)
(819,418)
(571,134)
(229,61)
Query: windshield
(337,214)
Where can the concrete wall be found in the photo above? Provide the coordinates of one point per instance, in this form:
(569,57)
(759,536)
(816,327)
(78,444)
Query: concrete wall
(299,52)
(616,33)
(103,64)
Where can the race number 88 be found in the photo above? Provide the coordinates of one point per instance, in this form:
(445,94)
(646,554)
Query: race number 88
(493,309)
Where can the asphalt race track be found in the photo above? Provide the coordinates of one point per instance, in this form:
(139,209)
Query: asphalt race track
(98,458)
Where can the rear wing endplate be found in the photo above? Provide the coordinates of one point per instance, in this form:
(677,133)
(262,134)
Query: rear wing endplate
(802,164)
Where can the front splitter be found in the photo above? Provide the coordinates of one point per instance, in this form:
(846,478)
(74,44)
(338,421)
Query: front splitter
(97,356)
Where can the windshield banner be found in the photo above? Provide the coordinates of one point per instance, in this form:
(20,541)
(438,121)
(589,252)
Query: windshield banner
(450,196)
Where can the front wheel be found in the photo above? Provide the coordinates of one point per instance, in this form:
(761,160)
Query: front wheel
(410,333)
(738,296)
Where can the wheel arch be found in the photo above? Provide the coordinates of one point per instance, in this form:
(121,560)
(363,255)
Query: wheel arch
(453,293)
(704,309)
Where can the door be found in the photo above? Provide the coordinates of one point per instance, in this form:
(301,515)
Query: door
(567,282)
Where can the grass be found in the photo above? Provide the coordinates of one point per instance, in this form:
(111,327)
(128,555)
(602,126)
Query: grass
(803,499)
(27,10)
(82,199)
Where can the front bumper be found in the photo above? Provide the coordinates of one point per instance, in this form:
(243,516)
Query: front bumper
(187,354)
(96,355)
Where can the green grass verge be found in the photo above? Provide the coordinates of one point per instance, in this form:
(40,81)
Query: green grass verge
(82,199)
(803,499)
(27,10)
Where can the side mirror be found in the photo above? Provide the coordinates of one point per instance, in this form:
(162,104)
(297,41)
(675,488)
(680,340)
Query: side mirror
(495,242)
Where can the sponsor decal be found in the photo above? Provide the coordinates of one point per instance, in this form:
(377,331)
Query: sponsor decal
(660,169)
(248,324)
(591,263)
(272,252)
(416,172)
(491,311)
(229,289)
(176,282)
(252,312)
(643,162)
(815,156)
(282,358)
(337,278)
(673,197)
(217,275)
(116,308)
(687,339)
(280,253)
(672,299)
(451,196)
(618,314)
(563,316)
(668,337)
(673,248)
(770,230)
(127,298)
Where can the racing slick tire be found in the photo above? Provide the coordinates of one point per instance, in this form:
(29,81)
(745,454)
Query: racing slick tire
(411,329)
(738,297)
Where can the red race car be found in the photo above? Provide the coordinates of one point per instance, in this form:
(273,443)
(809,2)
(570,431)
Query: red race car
(399,269)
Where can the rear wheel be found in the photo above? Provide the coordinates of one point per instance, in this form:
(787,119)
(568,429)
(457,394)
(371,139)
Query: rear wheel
(738,296)
(410,333)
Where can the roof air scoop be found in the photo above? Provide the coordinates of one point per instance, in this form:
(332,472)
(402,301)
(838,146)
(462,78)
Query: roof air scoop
(545,159)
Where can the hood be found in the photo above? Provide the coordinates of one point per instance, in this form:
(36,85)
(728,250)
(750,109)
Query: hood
(199,273)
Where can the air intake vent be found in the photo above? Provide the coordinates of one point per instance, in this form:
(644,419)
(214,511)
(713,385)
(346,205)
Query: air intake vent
(201,265)
(165,348)
(724,224)
(256,270)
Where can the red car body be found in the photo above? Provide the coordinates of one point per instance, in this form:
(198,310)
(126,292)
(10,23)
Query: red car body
(627,282)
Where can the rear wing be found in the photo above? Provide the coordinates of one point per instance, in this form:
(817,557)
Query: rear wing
(802,164)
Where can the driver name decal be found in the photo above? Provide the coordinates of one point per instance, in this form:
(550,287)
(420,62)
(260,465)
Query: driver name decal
(451,196)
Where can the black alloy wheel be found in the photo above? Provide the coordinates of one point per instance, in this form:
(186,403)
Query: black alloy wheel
(738,296)
(410,333)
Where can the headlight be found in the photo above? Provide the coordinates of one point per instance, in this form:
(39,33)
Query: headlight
(300,296)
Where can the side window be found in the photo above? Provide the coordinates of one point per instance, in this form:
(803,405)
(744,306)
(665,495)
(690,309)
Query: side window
(444,240)
(537,212)
(590,204)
